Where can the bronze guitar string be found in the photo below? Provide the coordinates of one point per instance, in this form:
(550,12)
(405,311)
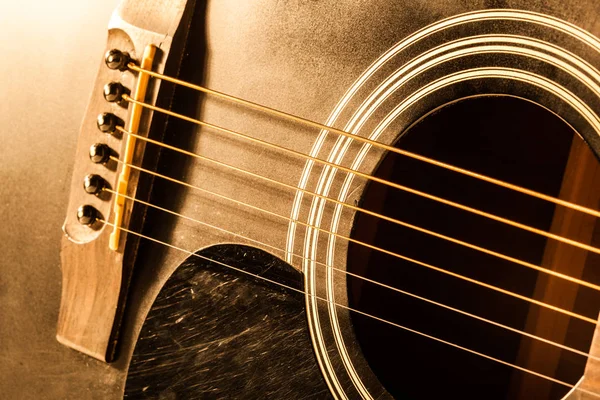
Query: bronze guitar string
(372,281)
(400,187)
(370,246)
(369,177)
(377,215)
(132,66)
(551,379)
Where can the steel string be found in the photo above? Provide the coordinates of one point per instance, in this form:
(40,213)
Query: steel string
(369,177)
(374,143)
(551,379)
(388,252)
(372,281)
(377,215)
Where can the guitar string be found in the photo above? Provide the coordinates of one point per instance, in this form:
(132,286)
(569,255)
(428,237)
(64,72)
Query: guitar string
(372,281)
(370,246)
(369,177)
(375,214)
(350,171)
(132,66)
(403,292)
(414,331)
(456,169)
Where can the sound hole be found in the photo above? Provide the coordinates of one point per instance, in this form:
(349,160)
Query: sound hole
(515,141)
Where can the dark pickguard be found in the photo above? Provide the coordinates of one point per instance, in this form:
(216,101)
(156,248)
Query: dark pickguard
(216,333)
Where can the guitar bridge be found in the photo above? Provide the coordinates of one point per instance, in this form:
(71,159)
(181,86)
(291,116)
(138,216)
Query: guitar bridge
(97,256)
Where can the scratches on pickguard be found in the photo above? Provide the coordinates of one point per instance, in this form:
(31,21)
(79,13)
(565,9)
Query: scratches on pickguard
(212,333)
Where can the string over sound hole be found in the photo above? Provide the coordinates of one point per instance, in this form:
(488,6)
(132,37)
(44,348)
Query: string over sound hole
(515,141)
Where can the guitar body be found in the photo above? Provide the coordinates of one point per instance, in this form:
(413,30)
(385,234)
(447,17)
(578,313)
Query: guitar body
(192,328)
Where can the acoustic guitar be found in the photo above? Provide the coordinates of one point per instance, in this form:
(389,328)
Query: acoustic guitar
(338,199)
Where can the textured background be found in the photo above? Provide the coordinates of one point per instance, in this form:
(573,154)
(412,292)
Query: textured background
(50,52)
